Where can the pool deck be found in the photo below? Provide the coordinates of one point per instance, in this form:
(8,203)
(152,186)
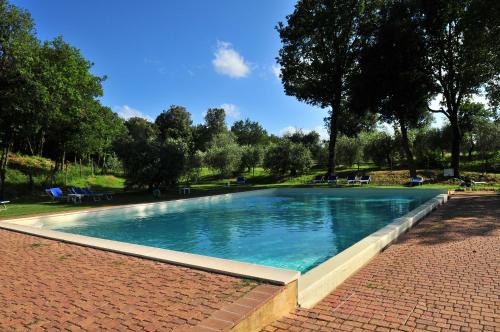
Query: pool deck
(47,285)
(443,275)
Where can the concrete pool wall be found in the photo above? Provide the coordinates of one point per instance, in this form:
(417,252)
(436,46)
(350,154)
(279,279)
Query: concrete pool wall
(312,286)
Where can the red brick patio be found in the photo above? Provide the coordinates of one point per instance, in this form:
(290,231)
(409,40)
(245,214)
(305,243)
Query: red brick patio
(444,275)
(47,285)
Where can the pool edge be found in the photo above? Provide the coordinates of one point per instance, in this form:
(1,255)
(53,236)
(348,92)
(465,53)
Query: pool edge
(234,268)
(317,283)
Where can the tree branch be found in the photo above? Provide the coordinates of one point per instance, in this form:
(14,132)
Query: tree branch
(440,110)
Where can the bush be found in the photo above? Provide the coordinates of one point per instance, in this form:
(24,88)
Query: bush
(348,150)
(380,148)
(287,158)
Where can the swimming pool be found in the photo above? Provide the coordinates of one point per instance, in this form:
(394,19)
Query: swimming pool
(294,229)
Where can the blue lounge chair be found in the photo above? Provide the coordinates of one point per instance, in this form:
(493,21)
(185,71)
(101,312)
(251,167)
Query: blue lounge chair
(319,179)
(333,179)
(351,179)
(241,180)
(57,194)
(4,204)
(98,195)
(417,181)
(366,179)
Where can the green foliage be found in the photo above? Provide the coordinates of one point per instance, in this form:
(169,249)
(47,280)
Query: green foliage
(251,157)
(174,123)
(287,158)
(249,132)
(349,150)
(320,45)
(224,154)
(380,148)
(311,141)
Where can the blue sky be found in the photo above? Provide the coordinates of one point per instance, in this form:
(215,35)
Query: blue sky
(197,54)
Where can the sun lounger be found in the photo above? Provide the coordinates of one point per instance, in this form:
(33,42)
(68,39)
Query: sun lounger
(96,195)
(365,179)
(417,181)
(318,179)
(57,195)
(240,180)
(351,179)
(332,179)
(4,204)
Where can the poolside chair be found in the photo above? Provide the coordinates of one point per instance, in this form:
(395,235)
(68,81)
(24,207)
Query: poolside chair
(4,204)
(332,179)
(471,183)
(351,179)
(417,181)
(241,180)
(97,195)
(366,179)
(57,194)
(318,179)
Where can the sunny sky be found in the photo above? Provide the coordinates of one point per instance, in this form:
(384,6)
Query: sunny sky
(197,54)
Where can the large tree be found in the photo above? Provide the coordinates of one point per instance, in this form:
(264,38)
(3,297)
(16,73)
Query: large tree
(18,56)
(390,81)
(175,123)
(249,132)
(320,41)
(462,41)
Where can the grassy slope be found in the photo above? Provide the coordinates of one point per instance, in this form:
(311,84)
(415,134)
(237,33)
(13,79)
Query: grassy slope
(31,202)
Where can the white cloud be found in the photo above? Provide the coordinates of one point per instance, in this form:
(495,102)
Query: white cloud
(276,69)
(229,62)
(321,130)
(126,112)
(231,110)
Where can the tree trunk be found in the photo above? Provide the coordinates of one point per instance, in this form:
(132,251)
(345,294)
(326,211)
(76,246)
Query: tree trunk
(4,159)
(455,146)
(406,147)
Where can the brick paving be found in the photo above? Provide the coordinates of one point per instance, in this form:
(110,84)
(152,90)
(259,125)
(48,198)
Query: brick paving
(47,285)
(443,275)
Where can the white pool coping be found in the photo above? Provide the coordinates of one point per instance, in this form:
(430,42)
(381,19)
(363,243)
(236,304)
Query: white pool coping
(313,285)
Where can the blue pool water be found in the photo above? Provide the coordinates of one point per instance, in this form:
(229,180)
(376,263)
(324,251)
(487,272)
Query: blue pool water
(290,229)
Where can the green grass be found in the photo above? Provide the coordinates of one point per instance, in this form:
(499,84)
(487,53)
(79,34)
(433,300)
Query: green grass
(35,201)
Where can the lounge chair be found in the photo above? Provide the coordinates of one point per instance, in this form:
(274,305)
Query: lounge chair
(332,179)
(417,181)
(366,179)
(57,195)
(241,180)
(4,204)
(351,179)
(98,195)
(471,183)
(318,179)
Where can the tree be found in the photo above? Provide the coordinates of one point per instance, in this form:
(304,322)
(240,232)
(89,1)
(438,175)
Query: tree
(488,141)
(461,40)
(320,41)
(390,81)
(215,121)
(381,148)
(251,157)
(249,132)
(349,150)
(311,140)
(287,158)
(224,154)
(174,123)
(18,56)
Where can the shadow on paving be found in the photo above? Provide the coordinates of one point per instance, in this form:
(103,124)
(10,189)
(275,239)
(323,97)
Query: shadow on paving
(457,221)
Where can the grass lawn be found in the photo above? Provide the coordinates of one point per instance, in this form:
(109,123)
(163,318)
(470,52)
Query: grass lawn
(209,184)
